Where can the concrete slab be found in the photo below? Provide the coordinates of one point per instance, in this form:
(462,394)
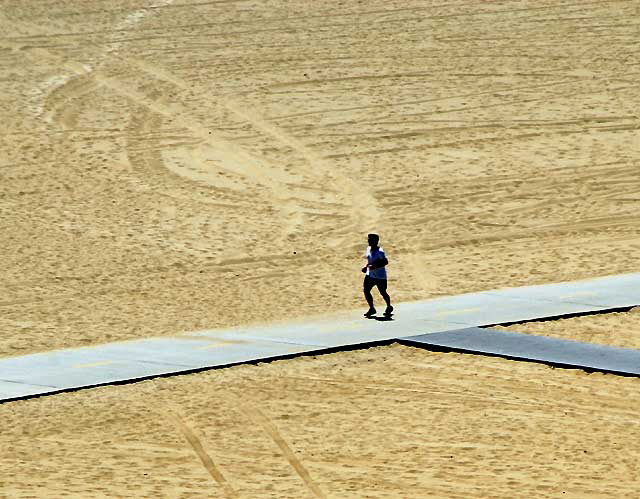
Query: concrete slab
(75,368)
(554,351)
(129,361)
(330,334)
(450,312)
(606,292)
(11,390)
(194,352)
(109,363)
(487,308)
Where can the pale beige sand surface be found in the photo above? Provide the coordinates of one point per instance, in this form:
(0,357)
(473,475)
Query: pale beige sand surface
(173,165)
(167,166)
(618,329)
(384,422)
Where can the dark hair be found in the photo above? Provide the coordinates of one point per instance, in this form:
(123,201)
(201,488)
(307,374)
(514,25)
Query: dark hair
(374,237)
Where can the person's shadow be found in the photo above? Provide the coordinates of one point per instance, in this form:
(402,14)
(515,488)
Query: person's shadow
(384,318)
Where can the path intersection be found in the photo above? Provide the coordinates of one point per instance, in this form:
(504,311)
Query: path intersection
(457,323)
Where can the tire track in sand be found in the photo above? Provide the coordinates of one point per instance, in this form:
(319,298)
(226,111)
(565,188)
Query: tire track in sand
(60,104)
(258,417)
(363,203)
(207,462)
(364,211)
(231,157)
(227,155)
(212,147)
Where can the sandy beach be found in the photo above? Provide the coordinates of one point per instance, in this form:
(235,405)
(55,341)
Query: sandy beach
(384,422)
(227,172)
(171,165)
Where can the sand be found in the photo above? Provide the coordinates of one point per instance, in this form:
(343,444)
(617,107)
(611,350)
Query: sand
(384,422)
(167,166)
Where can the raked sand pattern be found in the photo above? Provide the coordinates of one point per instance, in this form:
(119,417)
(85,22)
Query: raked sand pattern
(383,423)
(168,166)
(222,161)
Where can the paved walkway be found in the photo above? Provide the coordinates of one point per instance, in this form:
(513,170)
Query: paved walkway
(71,369)
(532,348)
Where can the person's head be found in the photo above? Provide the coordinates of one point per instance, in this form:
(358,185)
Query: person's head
(373,240)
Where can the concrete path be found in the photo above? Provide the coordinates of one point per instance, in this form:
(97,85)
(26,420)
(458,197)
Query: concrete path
(532,348)
(71,369)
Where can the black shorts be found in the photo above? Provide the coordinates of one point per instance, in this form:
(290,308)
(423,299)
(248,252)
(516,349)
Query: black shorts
(370,282)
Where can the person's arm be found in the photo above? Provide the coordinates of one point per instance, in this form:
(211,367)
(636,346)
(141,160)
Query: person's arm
(379,263)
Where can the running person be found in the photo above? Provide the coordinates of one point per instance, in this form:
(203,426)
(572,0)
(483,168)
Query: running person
(376,275)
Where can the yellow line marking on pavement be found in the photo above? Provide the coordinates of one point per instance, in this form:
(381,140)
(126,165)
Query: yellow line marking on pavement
(460,311)
(94,364)
(353,327)
(215,345)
